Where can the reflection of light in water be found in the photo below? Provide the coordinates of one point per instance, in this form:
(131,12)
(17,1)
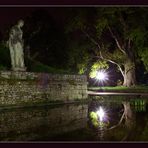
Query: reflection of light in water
(100,113)
(100,121)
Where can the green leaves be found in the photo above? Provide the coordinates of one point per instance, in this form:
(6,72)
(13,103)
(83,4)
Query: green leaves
(137,35)
(78,22)
(118,32)
(144,57)
(5,61)
(97,66)
(118,56)
(101,24)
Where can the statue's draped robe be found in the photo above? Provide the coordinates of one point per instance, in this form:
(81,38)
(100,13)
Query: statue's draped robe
(16,48)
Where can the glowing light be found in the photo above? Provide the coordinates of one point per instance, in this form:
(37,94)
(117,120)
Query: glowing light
(101,75)
(100,113)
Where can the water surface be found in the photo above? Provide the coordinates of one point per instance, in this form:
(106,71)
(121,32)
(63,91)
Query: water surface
(125,118)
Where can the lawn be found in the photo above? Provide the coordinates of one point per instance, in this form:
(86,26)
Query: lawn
(138,88)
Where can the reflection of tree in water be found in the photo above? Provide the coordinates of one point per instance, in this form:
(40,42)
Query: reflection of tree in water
(143,136)
(129,117)
(141,130)
(131,127)
(125,127)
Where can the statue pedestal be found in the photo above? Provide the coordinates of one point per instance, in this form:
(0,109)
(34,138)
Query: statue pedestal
(19,69)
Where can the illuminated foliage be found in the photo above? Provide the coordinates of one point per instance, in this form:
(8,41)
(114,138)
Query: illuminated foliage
(94,119)
(115,35)
(97,66)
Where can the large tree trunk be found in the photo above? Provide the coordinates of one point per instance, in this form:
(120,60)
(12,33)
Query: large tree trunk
(129,73)
(129,115)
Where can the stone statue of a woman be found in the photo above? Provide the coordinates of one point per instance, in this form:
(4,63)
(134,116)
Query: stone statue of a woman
(16,47)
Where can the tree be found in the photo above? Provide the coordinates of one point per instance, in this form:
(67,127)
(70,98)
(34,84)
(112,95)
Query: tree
(5,61)
(116,36)
(78,54)
(128,120)
(125,118)
(45,40)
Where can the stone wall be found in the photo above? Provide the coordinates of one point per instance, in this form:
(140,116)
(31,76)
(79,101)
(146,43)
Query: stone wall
(41,123)
(20,88)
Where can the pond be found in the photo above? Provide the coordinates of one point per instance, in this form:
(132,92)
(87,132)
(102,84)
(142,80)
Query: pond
(101,119)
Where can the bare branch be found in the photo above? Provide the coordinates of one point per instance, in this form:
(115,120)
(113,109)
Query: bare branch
(118,122)
(32,58)
(97,44)
(92,39)
(101,55)
(113,62)
(117,42)
(129,43)
(118,66)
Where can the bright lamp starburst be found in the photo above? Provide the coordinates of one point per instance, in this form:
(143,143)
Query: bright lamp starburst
(101,75)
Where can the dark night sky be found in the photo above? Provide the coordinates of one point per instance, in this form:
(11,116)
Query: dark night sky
(10,15)
(73,2)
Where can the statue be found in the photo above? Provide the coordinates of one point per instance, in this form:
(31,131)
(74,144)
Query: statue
(16,47)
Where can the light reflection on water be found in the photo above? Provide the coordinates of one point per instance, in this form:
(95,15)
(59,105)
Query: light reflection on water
(126,119)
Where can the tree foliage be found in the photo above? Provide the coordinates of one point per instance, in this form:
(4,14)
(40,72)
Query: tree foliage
(45,39)
(115,35)
(97,66)
(5,62)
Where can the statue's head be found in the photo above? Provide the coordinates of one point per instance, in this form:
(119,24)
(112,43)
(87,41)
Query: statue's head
(21,23)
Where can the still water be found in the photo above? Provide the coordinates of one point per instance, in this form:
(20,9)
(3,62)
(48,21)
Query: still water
(109,118)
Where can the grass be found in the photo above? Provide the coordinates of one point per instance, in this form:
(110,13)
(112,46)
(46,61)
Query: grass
(39,67)
(138,88)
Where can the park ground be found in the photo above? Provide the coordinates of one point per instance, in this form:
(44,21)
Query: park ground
(136,89)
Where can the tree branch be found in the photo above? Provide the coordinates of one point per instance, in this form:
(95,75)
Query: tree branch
(113,62)
(117,42)
(122,72)
(93,40)
(96,43)
(129,44)
(118,122)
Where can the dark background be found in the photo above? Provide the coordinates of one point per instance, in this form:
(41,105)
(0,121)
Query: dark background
(74,2)
(63,2)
